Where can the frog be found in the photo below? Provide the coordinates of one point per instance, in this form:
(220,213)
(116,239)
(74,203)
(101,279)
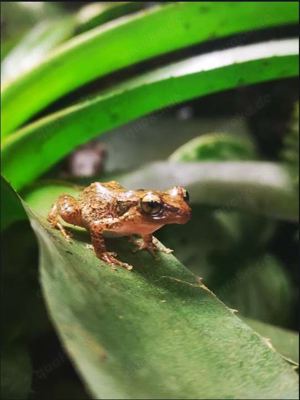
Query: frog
(109,209)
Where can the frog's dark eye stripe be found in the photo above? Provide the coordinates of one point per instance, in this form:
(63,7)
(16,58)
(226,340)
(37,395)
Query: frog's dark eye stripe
(186,195)
(151,204)
(123,207)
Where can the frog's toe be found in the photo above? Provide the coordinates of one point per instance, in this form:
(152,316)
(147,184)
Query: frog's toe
(166,250)
(161,247)
(68,237)
(110,258)
(142,245)
(127,266)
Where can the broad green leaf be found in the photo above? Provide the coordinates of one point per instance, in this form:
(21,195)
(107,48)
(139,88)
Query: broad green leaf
(215,146)
(145,35)
(155,332)
(32,150)
(228,253)
(11,206)
(285,341)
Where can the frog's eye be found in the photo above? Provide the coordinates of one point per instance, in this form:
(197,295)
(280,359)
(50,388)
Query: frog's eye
(151,204)
(186,196)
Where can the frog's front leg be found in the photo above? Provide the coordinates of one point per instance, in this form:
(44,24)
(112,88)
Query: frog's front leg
(98,242)
(146,243)
(67,208)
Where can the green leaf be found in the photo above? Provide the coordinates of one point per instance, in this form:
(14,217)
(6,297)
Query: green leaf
(156,332)
(215,146)
(96,14)
(32,150)
(34,47)
(47,35)
(285,341)
(11,206)
(146,35)
(19,17)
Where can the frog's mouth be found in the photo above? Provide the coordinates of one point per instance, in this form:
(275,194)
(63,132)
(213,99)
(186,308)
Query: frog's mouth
(174,215)
(183,216)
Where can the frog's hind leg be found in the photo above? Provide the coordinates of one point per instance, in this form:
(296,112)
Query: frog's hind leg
(107,256)
(66,208)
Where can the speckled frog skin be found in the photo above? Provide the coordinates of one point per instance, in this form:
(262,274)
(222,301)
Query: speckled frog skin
(108,208)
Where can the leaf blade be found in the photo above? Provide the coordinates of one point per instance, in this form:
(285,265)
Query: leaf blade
(30,151)
(95,54)
(285,341)
(171,344)
(34,47)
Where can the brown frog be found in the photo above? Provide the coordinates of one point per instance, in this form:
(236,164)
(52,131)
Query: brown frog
(108,208)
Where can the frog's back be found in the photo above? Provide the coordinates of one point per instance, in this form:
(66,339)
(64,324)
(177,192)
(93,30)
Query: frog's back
(103,191)
(97,200)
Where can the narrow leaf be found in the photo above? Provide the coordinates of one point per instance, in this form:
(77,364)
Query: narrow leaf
(31,151)
(99,13)
(148,34)
(40,40)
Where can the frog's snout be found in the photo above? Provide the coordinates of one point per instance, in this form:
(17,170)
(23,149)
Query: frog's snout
(184,216)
